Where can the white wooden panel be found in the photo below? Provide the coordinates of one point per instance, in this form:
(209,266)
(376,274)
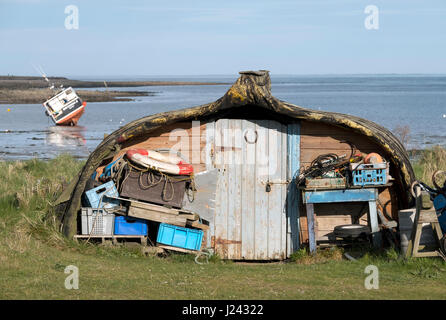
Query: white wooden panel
(221,211)
(248,195)
(274,195)
(209,157)
(209,149)
(261,227)
(250,223)
(234,188)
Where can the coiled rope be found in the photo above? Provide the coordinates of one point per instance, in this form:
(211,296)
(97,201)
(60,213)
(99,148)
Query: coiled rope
(152,181)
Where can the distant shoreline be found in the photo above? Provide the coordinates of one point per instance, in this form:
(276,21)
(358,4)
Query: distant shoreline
(30,90)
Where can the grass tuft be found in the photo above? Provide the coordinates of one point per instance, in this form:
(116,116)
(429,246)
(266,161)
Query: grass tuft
(303,256)
(430,161)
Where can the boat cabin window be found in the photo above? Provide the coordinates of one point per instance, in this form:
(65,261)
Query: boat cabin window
(56,105)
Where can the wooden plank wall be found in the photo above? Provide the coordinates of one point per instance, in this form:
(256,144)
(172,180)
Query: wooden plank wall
(191,142)
(318,138)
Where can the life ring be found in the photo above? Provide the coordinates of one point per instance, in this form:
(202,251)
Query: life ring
(169,158)
(165,163)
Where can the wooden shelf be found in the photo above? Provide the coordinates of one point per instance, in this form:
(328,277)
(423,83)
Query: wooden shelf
(114,238)
(166,247)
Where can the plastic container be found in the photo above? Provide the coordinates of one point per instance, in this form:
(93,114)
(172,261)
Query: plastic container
(130,226)
(369,174)
(94,196)
(180,237)
(97,222)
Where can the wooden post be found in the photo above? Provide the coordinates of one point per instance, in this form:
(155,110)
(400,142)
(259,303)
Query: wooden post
(410,246)
(376,235)
(311,227)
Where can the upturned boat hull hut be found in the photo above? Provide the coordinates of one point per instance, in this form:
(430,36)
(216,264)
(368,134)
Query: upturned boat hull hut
(256,144)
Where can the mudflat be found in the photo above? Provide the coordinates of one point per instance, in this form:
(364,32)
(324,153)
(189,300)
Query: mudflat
(27,89)
(23,96)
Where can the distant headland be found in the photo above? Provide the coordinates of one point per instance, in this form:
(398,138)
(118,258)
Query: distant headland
(29,89)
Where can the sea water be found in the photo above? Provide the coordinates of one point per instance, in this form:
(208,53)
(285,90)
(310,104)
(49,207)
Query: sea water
(415,101)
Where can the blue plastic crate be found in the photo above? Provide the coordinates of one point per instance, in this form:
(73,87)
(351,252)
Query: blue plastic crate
(130,226)
(179,237)
(110,169)
(369,174)
(107,189)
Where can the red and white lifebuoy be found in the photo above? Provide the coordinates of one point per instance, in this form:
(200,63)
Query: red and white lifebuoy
(164,163)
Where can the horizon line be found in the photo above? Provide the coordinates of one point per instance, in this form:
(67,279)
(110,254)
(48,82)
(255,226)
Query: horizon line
(228,75)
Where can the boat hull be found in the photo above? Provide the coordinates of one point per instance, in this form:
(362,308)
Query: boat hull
(72,118)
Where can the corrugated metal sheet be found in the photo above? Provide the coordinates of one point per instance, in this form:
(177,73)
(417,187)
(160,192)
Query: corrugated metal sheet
(250,218)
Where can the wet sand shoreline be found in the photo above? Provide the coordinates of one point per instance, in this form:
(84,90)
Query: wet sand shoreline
(27,90)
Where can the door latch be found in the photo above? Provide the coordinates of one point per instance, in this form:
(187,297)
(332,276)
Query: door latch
(268,187)
(269,183)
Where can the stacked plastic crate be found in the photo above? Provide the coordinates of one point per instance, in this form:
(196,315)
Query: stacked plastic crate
(98,219)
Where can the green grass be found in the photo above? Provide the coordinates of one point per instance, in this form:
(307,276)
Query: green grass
(33,257)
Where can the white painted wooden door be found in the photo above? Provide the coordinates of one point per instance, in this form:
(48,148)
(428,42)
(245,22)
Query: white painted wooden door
(250,216)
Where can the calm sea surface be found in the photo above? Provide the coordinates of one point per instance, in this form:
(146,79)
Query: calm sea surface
(418,102)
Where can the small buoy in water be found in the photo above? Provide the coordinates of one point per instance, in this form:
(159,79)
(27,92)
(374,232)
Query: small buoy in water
(444,116)
(9,110)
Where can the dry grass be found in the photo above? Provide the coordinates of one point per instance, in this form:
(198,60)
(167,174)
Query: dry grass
(19,239)
(430,161)
(28,190)
(303,257)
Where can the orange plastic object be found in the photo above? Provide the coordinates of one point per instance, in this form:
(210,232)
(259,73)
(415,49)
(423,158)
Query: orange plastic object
(373,158)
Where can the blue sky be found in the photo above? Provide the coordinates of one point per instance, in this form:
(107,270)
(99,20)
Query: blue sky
(222,37)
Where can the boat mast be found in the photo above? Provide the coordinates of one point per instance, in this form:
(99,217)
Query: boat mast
(50,85)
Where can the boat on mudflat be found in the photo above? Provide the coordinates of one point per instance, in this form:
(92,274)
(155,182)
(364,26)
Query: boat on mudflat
(65,108)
